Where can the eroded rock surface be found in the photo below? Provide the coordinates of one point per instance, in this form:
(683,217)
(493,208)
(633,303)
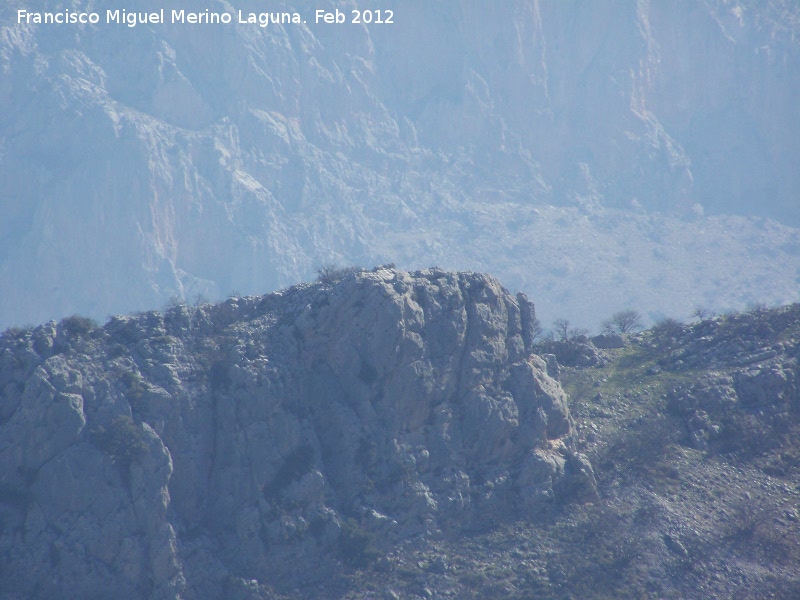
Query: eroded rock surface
(250,446)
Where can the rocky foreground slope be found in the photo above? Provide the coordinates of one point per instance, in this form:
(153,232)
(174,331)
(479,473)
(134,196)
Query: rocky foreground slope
(692,430)
(394,435)
(267,445)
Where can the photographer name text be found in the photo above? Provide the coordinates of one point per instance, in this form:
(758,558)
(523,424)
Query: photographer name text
(204,17)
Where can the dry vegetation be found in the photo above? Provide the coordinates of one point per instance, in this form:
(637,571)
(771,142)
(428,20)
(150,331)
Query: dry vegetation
(674,520)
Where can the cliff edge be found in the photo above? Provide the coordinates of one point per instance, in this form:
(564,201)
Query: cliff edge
(247,448)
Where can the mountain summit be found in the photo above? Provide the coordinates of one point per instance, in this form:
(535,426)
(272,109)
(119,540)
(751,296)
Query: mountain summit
(274,439)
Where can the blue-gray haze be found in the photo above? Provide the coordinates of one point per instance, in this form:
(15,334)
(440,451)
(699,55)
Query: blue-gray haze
(596,155)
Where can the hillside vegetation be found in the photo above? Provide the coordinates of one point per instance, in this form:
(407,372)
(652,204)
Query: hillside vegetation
(383,434)
(694,437)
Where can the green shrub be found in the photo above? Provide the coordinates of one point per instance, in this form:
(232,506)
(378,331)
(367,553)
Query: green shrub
(15,333)
(123,441)
(356,545)
(666,332)
(134,389)
(77,326)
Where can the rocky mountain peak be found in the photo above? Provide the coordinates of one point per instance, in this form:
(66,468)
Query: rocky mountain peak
(264,441)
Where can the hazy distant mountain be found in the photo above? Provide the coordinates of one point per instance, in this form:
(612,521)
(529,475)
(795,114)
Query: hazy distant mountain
(596,155)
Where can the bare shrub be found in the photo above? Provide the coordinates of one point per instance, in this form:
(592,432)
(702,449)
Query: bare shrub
(331,273)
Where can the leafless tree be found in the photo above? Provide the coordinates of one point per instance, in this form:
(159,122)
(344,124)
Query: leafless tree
(561,327)
(702,313)
(625,321)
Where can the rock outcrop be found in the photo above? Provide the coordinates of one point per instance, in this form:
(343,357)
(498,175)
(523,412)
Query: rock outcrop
(748,395)
(250,446)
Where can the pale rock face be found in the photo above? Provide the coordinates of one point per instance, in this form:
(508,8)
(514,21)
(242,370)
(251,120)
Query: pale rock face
(141,163)
(180,453)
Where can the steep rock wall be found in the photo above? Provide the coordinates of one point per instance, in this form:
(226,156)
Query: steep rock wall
(265,441)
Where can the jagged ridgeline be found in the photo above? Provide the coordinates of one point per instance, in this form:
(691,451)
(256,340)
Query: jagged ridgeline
(266,442)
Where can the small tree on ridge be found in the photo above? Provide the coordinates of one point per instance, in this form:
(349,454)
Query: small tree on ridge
(625,321)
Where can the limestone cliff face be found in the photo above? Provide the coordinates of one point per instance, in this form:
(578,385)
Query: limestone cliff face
(141,163)
(260,443)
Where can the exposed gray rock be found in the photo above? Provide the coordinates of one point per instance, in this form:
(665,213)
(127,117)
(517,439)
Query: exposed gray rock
(771,385)
(759,393)
(228,450)
(606,341)
(573,353)
(675,546)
